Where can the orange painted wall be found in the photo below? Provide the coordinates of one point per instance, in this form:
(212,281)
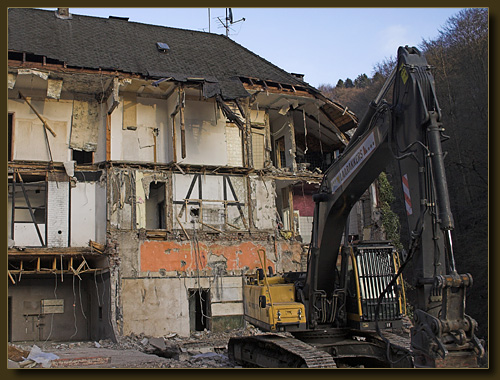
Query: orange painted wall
(181,256)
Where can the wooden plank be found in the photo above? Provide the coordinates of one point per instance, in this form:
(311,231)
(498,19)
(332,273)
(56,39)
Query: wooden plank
(44,122)
(183,126)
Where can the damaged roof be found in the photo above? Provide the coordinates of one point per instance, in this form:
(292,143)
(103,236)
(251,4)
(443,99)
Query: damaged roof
(117,44)
(136,48)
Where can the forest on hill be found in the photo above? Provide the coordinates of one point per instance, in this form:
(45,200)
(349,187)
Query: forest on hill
(459,58)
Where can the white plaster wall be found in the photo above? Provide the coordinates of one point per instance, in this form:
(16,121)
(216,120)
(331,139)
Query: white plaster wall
(29,139)
(205,134)
(211,187)
(152,113)
(25,234)
(138,145)
(83,214)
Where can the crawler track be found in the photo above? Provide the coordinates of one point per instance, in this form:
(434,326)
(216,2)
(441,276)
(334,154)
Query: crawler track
(322,349)
(274,351)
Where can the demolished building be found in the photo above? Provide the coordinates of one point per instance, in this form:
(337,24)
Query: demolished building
(148,167)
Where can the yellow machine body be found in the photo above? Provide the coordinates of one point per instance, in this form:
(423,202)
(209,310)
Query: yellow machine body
(270,305)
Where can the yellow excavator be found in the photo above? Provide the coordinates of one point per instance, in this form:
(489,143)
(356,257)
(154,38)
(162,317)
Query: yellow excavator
(343,311)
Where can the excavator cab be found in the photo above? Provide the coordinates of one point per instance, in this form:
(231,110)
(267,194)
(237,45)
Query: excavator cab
(367,269)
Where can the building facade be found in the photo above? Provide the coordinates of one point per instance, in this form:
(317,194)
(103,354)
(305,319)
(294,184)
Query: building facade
(148,169)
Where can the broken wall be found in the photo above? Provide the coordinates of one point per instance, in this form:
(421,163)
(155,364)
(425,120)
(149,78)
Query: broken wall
(281,128)
(263,198)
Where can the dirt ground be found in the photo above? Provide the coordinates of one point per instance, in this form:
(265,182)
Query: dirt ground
(203,349)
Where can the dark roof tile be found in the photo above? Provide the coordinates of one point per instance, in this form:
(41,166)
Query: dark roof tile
(93,42)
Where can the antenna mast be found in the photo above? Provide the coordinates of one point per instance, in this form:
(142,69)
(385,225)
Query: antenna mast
(229,20)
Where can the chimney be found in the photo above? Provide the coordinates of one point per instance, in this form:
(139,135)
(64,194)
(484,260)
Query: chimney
(298,76)
(63,14)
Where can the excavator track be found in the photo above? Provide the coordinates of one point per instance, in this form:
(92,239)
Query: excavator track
(274,351)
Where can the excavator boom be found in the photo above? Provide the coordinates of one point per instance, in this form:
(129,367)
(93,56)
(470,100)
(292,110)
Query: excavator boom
(408,131)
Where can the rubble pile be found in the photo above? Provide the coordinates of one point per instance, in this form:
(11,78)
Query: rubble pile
(203,349)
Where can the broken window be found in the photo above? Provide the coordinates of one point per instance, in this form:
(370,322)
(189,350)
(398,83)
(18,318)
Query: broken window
(199,308)
(28,210)
(280,153)
(155,206)
(213,201)
(82,157)
(258,147)
(312,153)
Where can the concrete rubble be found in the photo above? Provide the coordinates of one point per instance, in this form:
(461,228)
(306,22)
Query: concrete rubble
(202,349)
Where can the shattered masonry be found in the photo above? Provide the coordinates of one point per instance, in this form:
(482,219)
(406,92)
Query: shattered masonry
(139,192)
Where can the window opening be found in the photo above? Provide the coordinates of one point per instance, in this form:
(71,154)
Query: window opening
(82,157)
(199,306)
(203,212)
(28,206)
(155,207)
(280,152)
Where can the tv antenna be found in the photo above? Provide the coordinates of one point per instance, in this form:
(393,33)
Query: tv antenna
(229,20)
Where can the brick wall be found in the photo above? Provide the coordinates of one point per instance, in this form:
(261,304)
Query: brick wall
(57,214)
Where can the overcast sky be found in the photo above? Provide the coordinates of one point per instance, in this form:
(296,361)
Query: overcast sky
(324,44)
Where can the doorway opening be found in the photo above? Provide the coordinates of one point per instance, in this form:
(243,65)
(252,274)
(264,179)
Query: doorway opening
(155,207)
(199,308)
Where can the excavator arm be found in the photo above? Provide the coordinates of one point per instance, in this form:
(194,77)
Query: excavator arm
(409,131)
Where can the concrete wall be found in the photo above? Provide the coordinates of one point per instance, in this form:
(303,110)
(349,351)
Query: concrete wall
(82,321)
(155,301)
(26,306)
(159,306)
